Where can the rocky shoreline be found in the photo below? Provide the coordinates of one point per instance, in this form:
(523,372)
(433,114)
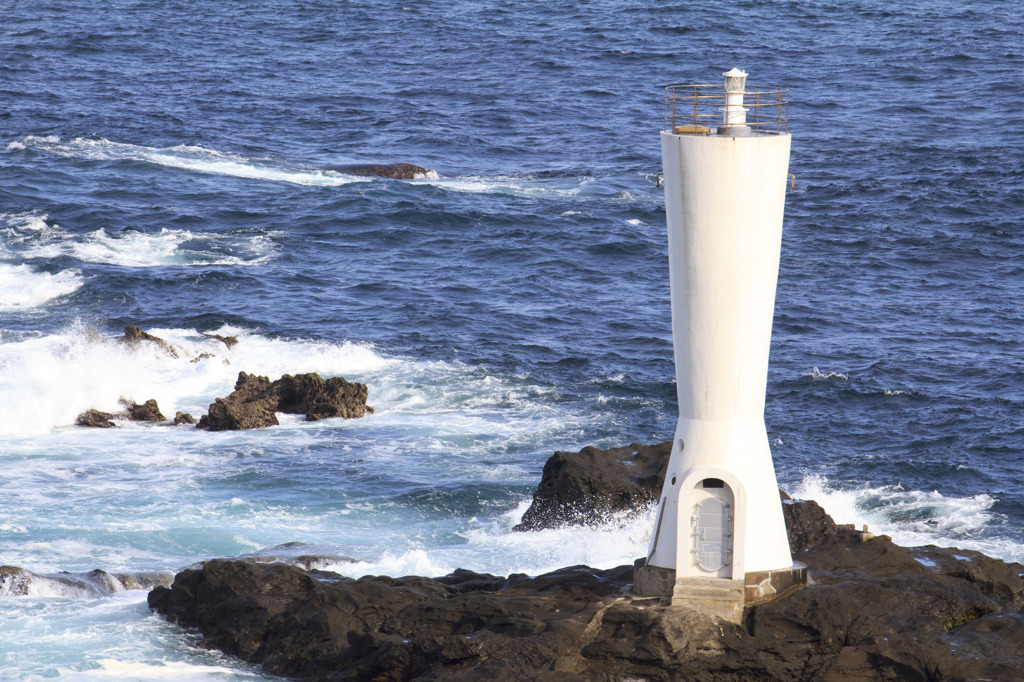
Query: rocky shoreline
(872,610)
(253,404)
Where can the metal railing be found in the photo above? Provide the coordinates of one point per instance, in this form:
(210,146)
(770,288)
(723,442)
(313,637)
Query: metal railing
(700,109)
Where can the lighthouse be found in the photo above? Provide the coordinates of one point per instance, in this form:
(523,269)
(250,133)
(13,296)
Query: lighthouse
(720,540)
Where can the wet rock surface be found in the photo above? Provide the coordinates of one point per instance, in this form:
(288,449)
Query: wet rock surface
(256,400)
(586,487)
(876,611)
(400,171)
(872,610)
(135,337)
(149,411)
(183,418)
(807,524)
(96,419)
(19,582)
(583,488)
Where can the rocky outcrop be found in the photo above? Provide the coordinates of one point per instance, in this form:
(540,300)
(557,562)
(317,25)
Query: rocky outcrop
(583,488)
(319,398)
(146,412)
(149,411)
(252,405)
(256,400)
(183,418)
(18,582)
(807,524)
(400,171)
(228,341)
(96,419)
(135,337)
(876,611)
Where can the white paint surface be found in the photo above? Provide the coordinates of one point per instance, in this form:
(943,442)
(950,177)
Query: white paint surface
(724,201)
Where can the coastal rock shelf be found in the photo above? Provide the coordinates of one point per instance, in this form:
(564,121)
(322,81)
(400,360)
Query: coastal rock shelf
(872,610)
(877,611)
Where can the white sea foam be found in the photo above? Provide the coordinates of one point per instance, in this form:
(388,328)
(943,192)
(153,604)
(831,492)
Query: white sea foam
(31,221)
(510,185)
(202,160)
(30,236)
(22,286)
(47,381)
(187,157)
(113,669)
(492,547)
(913,517)
(115,638)
(818,375)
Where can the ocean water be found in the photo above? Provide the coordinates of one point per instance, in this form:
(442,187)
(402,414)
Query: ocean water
(164,165)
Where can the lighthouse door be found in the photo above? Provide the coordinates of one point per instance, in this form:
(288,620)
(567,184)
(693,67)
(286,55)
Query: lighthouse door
(712,528)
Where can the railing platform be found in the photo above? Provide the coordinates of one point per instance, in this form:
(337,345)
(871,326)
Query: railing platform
(702,109)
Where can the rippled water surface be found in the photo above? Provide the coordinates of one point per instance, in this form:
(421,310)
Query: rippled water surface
(166,165)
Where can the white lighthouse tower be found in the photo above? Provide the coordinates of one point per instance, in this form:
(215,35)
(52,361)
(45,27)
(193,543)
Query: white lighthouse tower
(720,539)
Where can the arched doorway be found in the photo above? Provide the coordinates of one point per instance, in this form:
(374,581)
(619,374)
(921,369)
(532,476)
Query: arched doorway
(711,527)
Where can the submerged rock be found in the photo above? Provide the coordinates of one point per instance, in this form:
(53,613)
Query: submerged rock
(877,611)
(256,400)
(134,337)
(18,582)
(146,412)
(228,341)
(400,171)
(95,419)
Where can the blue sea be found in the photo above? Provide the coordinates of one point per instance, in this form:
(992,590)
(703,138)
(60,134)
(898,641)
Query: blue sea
(164,164)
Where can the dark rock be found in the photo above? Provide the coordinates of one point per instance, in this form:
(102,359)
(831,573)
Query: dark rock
(252,405)
(134,337)
(318,398)
(96,419)
(147,412)
(583,488)
(400,171)
(183,418)
(875,611)
(255,401)
(228,341)
(806,523)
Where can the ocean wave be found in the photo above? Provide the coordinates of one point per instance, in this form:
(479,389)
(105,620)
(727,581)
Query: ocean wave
(512,185)
(29,235)
(490,546)
(914,517)
(23,287)
(185,157)
(200,159)
(46,381)
(818,375)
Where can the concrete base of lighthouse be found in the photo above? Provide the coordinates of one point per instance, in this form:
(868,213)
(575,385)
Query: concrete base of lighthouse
(720,597)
